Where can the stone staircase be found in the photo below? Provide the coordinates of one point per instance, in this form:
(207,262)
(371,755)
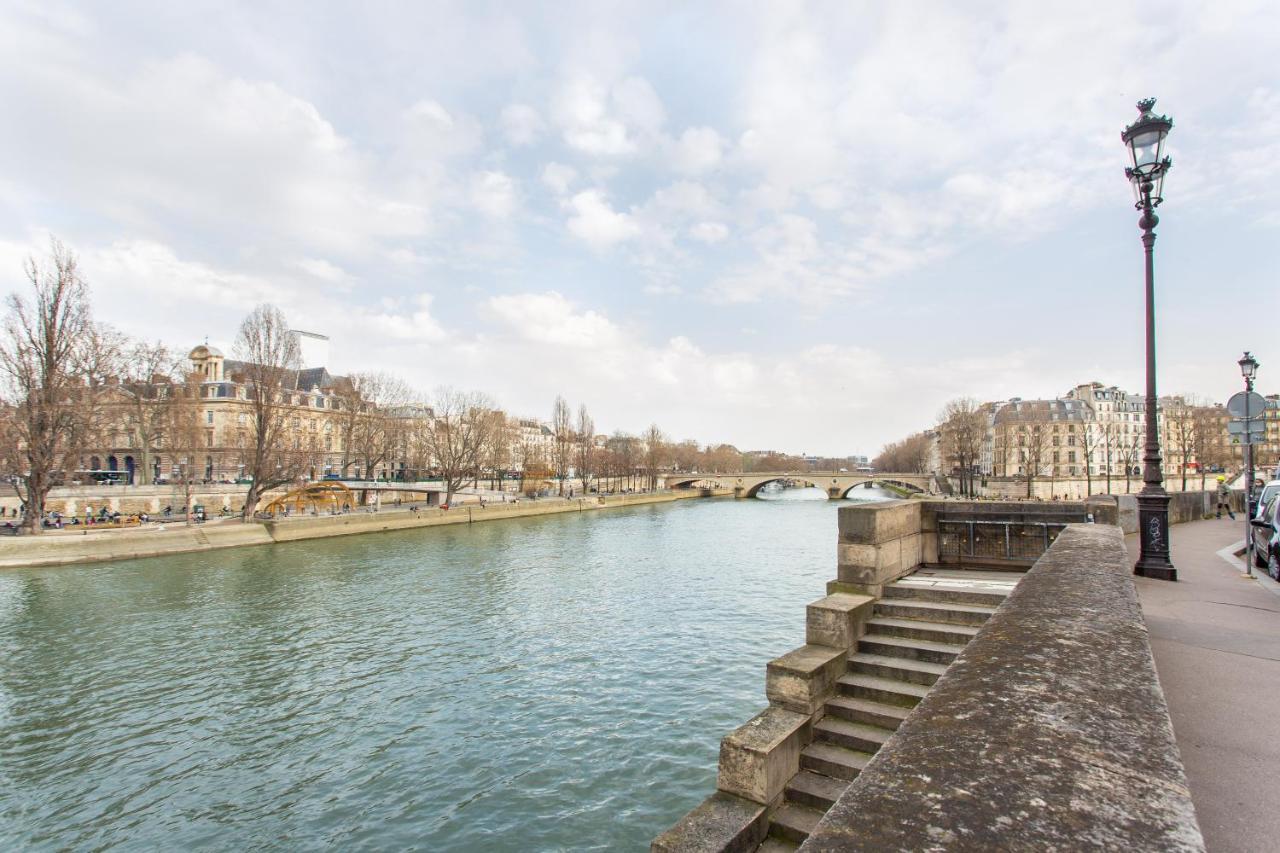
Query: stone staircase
(919,626)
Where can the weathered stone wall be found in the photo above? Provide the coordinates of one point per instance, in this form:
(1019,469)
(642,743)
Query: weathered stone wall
(87,545)
(1049,732)
(878,543)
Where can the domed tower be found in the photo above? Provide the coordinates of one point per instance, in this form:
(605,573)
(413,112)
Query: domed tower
(207,361)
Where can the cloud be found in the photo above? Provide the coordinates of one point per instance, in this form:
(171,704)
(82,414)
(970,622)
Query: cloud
(698,149)
(709,232)
(597,224)
(550,318)
(494,194)
(607,121)
(522,124)
(559,177)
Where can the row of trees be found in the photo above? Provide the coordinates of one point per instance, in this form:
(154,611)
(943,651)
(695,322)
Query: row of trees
(72,385)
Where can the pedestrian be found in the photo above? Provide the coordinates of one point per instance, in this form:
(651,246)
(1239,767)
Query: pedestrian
(1224,499)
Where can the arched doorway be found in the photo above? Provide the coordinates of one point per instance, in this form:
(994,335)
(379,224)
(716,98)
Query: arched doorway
(128,467)
(95,464)
(112,463)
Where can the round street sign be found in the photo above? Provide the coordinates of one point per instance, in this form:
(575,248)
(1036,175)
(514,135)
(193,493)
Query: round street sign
(1257,404)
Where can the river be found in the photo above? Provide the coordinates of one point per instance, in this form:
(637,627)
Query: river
(556,683)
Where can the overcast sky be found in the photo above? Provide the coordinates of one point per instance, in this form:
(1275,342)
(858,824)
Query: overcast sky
(802,227)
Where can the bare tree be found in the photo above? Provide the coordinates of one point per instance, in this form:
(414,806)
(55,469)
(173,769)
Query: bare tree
(586,447)
(908,456)
(1208,440)
(962,426)
(270,355)
(562,437)
(1179,432)
(1107,438)
(176,419)
(1033,447)
(458,435)
(655,449)
(146,383)
(500,450)
(40,366)
(1091,438)
(1130,453)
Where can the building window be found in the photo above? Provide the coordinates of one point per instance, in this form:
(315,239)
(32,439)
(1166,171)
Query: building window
(1071,456)
(209,438)
(208,417)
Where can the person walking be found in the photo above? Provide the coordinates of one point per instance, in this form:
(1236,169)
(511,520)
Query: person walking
(1224,499)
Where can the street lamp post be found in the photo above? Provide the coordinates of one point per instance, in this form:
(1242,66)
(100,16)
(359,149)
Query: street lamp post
(1148,167)
(1248,369)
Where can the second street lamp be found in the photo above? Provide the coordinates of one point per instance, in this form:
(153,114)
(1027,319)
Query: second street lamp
(1148,167)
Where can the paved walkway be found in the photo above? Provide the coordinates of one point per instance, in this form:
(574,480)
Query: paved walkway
(1216,639)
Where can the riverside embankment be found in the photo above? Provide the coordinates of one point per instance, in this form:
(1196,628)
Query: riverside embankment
(88,546)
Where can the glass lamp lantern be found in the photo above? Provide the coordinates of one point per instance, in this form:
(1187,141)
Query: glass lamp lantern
(1248,367)
(1147,162)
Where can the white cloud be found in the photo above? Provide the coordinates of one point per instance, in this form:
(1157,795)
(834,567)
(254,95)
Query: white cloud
(322,269)
(522,124)
(600,120)
(559,177)
(597,224)
(697,150)
(709,232)
(550,318)
(494,194)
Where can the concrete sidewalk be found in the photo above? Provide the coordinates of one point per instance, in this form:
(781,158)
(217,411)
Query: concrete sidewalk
(1216,639)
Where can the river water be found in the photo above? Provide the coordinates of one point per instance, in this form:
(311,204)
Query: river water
(556,683)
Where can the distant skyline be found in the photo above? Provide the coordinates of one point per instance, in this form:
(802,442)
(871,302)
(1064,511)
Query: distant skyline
(801,227)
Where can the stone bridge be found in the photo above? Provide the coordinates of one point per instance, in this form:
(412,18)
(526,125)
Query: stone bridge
(835,485)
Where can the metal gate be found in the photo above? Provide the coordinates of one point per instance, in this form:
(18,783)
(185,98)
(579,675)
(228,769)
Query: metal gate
(1008,542)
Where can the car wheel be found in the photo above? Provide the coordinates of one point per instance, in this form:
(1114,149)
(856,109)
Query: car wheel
(1259,561)
(1273,566)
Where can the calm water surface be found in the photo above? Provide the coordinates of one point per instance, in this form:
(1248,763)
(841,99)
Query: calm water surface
(544,684)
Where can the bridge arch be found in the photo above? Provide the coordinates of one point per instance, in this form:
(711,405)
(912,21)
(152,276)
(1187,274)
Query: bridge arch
(881,481)
(754,491)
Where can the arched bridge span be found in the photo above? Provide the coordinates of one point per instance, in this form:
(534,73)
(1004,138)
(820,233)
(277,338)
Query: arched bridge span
(835,485)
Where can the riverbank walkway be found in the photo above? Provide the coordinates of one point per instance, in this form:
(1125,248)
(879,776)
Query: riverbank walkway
(1216,639)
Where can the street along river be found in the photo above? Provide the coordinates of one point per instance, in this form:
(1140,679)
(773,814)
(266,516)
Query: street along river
(555,683)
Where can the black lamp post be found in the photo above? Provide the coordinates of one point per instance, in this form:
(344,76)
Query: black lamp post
(1148,166)
(1248,369)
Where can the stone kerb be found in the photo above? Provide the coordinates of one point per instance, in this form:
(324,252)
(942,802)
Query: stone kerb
(878,544)
(1049,732)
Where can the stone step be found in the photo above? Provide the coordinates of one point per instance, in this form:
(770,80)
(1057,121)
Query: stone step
(903,647)
(793,822)
(938,592)
(916,629)
(777,845)
(849,734)
(900,669)
(885,690)
(835,761)
(814,790)
(929,611)
(867,712)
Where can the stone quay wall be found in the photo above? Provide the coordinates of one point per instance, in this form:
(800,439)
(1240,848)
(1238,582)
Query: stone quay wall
(86,545)
(1050,730)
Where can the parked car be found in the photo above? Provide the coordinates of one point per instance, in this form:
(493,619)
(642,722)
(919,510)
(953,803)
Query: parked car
(1268,490)
(1266,537)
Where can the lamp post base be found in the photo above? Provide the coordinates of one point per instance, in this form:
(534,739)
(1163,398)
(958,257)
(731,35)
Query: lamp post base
(1153,533)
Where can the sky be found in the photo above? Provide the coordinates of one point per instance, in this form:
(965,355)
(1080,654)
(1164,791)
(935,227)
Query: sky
(789,226)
